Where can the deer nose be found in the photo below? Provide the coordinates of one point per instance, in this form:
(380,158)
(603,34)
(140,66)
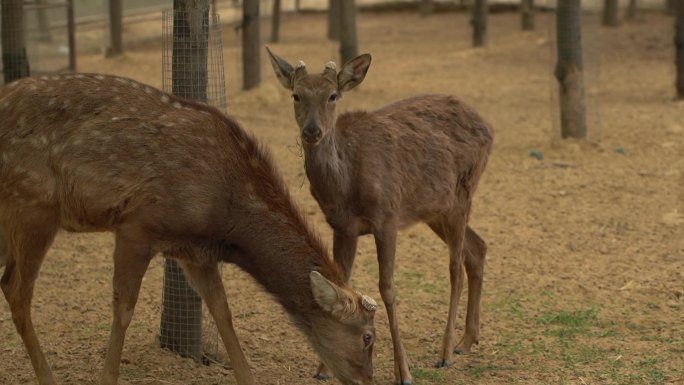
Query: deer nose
(311,134)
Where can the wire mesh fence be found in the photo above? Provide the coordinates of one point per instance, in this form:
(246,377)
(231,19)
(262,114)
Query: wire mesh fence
(192,68)
(39,38)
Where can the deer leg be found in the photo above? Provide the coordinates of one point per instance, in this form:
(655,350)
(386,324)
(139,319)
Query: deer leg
(386,244)
(344,253)
(132,256)
(23,254)
(207,281)
(453,230)
(475,250)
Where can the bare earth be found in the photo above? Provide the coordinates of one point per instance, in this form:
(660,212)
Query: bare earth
(584,277)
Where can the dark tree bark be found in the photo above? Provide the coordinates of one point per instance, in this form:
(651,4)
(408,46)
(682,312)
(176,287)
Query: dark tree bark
(115,28)
(611,16)
(479,22)
(334,19)
(569,69)
(349,46)
(679,49)
(251,40)
(527,15)
(275,22)
(181,321)
(427,7)
(15,63)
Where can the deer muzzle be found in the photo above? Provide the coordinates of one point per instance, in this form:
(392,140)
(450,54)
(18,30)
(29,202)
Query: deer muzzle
(311,134)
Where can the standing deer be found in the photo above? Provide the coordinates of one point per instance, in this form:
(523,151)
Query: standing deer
(417,160)
(88,152)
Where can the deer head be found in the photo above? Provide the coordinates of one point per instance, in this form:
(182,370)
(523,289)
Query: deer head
(315,95)
(347,351)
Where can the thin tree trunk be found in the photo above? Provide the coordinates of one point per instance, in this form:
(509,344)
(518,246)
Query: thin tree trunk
(349,47)
(527,15)
(479,23)
(632,9)
(181,321)
(611,17)
(569,69)
(44,34)
(679,49)
(115,28)
(427,7)
(251,40)
(15,64)
(275,22)
(334,19)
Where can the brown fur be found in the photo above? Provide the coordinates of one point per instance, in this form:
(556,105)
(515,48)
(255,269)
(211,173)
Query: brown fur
(88,152)
(416,160)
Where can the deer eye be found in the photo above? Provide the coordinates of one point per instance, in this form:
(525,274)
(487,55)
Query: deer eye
(367,339)
(295,97)
(332,98)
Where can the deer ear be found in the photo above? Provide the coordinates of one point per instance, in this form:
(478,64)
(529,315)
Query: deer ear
(283,70)
(327,295)
(353,72)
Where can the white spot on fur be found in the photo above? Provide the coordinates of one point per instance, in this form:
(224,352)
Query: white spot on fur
(165,98)
(177,105)
(121,80)
(52,101)
(148,90)
(99,77)
(43,78)
(79,76)
(133,109)
(300,64)
(135,85)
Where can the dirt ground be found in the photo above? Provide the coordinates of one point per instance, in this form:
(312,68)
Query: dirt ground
(584,280)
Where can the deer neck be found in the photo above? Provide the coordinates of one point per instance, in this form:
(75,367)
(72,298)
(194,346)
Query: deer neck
(326,166)
(280,253)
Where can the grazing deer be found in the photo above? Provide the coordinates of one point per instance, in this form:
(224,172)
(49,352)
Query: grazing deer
(89,152)
(417,160)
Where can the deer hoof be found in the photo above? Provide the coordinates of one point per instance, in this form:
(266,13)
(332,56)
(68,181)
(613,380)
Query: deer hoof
(443,363)
(460,350)
(321,377)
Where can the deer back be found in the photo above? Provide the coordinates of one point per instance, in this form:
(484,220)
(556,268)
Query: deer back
(104,150)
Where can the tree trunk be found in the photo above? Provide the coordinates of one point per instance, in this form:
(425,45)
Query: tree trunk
(44,34)
(679,49)
(527,15)
(670,6)
(349,46)
(569,69)
(427,7)
(15,64)
(275,22)
(115,28)
(181,321)
(632,9)
(251,40)
(611,17)
(334,19)
(479,23)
